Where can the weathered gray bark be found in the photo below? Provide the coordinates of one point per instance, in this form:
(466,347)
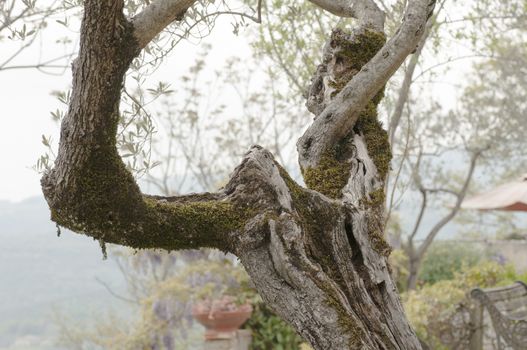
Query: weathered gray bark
(317,256)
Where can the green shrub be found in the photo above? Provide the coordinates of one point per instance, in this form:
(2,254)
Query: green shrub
(270,332)
(444,259)
(398,261)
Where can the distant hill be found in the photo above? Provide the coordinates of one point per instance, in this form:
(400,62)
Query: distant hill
(40,273)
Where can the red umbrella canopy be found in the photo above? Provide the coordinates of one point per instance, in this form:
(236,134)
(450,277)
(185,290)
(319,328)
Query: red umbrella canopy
(509,196)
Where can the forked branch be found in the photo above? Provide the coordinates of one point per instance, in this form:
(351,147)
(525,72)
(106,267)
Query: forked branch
(339,116)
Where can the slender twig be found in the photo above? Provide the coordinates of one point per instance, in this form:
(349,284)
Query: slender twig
(109,289)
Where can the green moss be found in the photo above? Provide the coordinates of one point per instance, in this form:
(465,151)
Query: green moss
(329,177)
(317,220)
(376,139)
(373,205)
(104,191)
(332,172)
(351,55)
(361,49)
(378,147)
(208,222)
(375,200)
(376,235)
(298,194)
(356,54)
(109,206)
(356,334)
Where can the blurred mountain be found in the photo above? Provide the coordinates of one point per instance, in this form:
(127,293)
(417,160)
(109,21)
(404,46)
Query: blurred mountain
(42,275)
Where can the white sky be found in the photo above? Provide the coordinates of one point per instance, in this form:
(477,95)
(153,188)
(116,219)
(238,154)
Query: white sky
(26,102)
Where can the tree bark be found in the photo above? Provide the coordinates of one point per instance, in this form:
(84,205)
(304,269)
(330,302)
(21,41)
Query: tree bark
(316,255)
(414,264)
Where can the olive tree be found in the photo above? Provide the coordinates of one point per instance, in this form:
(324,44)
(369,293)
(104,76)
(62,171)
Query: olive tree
(316,255)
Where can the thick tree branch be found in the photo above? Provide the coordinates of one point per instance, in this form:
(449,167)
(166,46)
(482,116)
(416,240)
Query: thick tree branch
(339,116)
(156,17)
(161,13)
(366,11)
(90,190)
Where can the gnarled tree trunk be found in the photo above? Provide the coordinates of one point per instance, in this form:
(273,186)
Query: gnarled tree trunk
(316,255)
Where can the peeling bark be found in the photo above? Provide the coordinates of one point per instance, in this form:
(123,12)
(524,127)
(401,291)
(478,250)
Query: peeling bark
(316,255)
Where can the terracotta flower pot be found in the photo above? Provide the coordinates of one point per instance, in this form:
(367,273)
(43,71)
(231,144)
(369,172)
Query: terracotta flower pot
(221,317)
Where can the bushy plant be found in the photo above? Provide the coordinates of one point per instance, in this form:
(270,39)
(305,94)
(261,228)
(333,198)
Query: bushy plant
(270,332)
(444,259)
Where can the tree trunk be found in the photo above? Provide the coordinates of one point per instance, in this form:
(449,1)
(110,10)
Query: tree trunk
(316,255)
(417,254)
(414,263)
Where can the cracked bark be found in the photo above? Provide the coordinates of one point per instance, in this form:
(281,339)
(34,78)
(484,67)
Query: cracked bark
(316,255)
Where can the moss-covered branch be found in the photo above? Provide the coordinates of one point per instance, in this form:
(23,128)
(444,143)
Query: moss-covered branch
(90,190)
(346,56)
